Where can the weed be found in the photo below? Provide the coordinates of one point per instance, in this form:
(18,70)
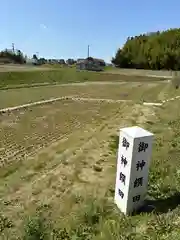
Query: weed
(5,223)
(113,145)
(36,228)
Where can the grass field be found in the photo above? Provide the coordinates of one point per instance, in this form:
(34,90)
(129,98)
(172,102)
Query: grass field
(136,72)
(21,78)
(141,72)
(58,163)
(148,92)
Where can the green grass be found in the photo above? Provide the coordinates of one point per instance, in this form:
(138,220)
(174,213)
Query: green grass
(62,75)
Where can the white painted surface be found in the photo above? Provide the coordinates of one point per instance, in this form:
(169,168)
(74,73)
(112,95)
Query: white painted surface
(75,98)
(152,104)
(134,169)
(10,109)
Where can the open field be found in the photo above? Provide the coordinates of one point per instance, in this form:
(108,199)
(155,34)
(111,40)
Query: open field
(78,126)
(69,176)
(136,72)
(148,92)
(141,72)
(132,91)
(58,162)
(63,75)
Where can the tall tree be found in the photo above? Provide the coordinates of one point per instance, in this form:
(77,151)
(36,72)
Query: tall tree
(155,50)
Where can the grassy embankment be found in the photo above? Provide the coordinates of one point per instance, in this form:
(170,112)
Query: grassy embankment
(62,75)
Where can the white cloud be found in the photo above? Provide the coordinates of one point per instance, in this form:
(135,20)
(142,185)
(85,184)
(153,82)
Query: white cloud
(43,26)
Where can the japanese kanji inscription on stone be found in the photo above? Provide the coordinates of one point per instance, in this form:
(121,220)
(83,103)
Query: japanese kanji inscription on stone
(134,154)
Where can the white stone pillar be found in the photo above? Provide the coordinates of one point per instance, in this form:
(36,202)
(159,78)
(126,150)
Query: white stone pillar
(134,154)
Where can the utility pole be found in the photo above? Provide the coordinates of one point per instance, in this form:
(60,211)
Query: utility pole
(88,51)
(13,47)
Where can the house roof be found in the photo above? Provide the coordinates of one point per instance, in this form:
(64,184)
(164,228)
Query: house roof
(85,59)
(99,60)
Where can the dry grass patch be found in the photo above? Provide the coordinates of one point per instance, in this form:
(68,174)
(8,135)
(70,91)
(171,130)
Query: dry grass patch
(126,91)
(64,175)
(66,185)
(14,79)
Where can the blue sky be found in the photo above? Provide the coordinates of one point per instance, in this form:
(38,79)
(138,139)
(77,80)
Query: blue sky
(64,28)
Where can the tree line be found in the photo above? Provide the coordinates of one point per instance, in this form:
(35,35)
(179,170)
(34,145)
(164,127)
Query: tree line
(17,56)
(8,56)
(156,50)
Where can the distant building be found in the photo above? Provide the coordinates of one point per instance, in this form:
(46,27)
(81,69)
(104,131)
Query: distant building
(70,61)
(61,61)
(32,61)
(100,61)
(54,61)
(89,64)
(79,60)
